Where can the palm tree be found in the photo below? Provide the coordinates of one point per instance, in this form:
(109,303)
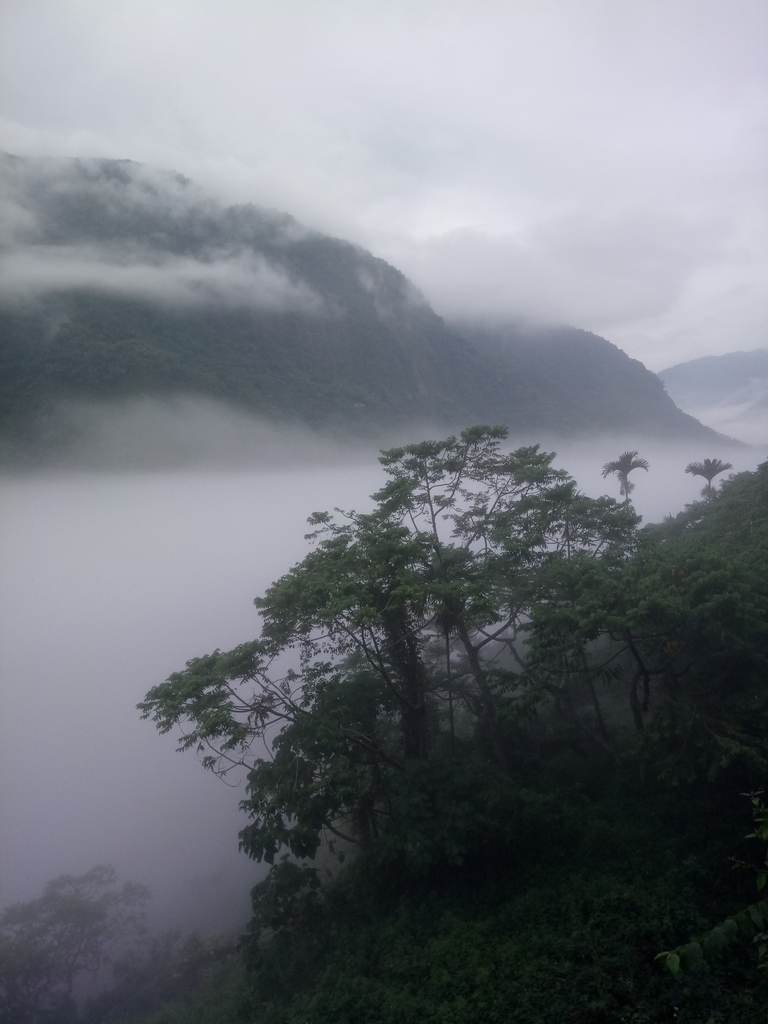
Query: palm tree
(622,467)
(709,469)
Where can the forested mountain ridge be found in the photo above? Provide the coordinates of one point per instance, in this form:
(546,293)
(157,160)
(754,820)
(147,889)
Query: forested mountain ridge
(736,377)
(730,392)
(117,280)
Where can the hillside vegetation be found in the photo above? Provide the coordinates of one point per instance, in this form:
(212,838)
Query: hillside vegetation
(497,742)
(532,723)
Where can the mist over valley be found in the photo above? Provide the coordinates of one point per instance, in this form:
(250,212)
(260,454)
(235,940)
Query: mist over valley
(110,582)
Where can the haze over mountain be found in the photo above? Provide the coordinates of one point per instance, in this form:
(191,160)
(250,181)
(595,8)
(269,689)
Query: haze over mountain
(119,282)
(729,392)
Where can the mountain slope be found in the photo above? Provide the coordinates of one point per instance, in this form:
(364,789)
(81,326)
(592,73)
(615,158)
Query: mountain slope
(729,379)
(117,280)
(728,391)
(565,379)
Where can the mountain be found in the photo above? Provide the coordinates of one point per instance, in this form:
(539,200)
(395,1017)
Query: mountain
(118,280)
(566,380)
(731,379)
(728,391)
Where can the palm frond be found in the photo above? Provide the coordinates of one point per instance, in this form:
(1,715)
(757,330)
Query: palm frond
(709,469)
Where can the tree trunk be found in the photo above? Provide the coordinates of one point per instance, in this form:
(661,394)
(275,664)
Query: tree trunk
(486,697)
(412,677)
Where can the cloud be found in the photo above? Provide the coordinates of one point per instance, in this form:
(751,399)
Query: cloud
(147,433)
(129,229)
(244,279)
(15,223)
(641,259)
(468,145)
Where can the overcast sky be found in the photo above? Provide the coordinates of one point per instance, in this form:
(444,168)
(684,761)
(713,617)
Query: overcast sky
(602,163)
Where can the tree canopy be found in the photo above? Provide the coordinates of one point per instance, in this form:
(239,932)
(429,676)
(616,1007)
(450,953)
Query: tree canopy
(410,630)
(72,928)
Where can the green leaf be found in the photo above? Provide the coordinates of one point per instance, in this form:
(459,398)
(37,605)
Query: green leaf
(730,929)
(715,941)
(692,957)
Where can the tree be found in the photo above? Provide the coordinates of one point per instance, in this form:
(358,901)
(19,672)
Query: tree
(685,621)
(73,928)
(425,685)
(622,467)
(709,469)
(401,637)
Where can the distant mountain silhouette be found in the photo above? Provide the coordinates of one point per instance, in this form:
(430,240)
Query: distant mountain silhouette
(729,379)
(119,280)
(729,391)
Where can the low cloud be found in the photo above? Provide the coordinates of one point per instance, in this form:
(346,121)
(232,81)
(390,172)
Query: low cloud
(243,279)
(40,197)
(472,152)
(130,230)
(187,432)
(16,222)
(590,268)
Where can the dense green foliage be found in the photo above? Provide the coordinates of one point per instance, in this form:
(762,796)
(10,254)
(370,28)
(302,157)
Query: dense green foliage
(752,921)
(531,720)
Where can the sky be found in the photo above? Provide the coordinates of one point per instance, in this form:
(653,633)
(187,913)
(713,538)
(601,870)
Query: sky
(599,162)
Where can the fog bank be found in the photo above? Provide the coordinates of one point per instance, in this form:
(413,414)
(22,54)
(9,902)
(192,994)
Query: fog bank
(109,584)
(180,432)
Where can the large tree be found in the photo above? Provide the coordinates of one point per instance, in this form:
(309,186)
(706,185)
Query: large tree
(399,637)
(71,929)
